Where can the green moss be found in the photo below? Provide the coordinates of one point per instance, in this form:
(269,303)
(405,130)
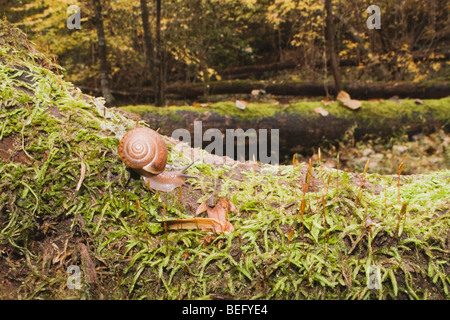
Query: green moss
(253,110)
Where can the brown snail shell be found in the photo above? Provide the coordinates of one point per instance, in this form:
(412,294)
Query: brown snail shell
(143,150)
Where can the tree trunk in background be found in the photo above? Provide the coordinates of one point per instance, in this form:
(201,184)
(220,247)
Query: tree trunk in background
(149,50)
(104,74)
(160,96)
(363,91)
(331,48)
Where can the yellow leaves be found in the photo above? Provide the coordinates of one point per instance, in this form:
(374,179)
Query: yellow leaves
(283,10)
(436,66)
(249,3)
(411,66)
(419,77)
(211,74)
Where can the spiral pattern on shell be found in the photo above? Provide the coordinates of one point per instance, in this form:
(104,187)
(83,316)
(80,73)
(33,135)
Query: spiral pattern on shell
(144,150)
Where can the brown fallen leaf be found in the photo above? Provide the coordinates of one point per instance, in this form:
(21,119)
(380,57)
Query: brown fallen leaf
(201,208)
(241,104)
(204,224)
(207,240)
(347,101)
(343,96)
(321,111)
(88,263)
(353,104)
(218,212)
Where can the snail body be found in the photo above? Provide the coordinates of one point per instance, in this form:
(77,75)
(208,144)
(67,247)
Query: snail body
(143,150)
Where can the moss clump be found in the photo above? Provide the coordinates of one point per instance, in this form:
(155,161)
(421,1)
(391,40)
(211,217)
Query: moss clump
(252,110)
(280,249)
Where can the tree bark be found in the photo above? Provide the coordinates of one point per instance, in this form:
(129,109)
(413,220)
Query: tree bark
(356,90)
(160,96)
(149,49)
(331,47)
(104,69)
(257,70)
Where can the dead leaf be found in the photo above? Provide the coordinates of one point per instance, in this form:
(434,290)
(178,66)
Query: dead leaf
(218,212)
(88,263)
(241,104)
(257,92)
(207,240)
(343,96)
(204,224)
(418,101)
(353,104)
(201,208)
(395,99)
(326,101)
(321,111)
(347,101)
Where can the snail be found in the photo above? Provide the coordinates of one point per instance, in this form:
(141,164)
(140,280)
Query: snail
(143,150)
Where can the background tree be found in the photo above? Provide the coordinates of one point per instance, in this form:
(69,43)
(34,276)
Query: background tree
(104,69)
(148,39)
(160,95)
(331,47)
(201,41)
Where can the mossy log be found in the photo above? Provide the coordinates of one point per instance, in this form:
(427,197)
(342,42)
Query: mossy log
(363,91)
(67,200)
(300,127)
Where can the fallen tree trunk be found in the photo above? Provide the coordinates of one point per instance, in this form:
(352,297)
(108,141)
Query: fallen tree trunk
(258,70)
(356,90)
(300,127)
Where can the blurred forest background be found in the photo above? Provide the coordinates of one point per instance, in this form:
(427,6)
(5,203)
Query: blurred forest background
(149,46)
